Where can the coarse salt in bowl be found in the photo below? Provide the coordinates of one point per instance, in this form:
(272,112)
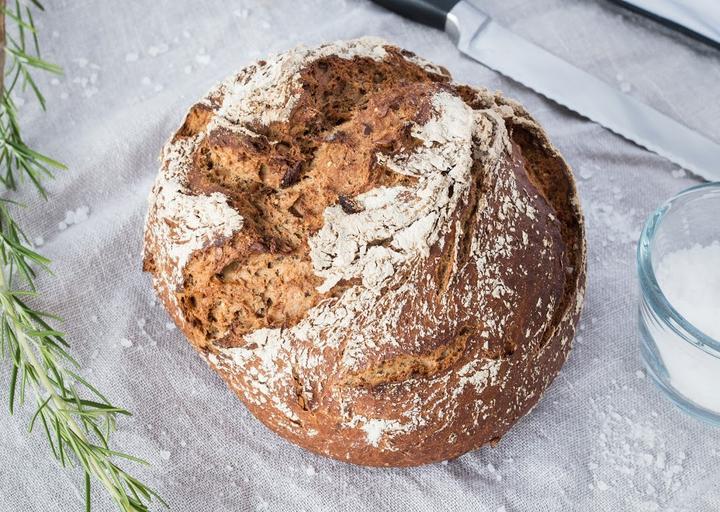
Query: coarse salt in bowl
(678,260)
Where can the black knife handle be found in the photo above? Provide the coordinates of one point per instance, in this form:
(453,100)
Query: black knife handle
(428,12)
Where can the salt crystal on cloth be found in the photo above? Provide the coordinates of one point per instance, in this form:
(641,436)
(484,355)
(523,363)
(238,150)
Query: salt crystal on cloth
(597,414)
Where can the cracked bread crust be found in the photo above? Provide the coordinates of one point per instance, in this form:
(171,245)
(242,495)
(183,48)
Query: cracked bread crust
(385,266)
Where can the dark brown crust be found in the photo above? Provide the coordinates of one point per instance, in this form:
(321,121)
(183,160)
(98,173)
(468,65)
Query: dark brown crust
(351,120)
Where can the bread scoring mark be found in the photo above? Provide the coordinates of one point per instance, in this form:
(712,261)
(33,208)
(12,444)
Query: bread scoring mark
(402,367)
(410,220)
(180,222)
(478,375)
(267,93)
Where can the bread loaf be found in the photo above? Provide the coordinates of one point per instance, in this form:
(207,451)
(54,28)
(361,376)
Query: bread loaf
(387,267)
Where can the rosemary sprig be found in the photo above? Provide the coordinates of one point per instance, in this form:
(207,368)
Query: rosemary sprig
(77,419)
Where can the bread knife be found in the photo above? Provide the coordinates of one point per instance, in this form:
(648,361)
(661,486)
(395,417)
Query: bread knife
(478,36)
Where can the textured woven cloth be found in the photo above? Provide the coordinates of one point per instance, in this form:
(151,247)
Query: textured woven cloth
(603,438)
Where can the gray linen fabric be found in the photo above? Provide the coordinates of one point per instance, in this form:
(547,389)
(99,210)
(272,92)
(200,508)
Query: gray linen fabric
(602,439)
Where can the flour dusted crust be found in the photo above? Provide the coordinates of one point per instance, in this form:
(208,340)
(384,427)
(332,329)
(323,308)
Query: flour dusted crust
(387,267)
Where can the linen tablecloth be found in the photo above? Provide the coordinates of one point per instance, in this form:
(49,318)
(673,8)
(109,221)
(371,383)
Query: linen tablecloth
(603,438)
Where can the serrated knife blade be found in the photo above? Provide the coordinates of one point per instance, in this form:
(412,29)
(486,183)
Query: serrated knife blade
(498,48)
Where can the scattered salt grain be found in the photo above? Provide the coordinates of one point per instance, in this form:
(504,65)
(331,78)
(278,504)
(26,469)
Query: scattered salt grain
(444,463)
(640,374)
(74,217)
(164,454)
(602,486)
(94,318)
(491,467)
(141,323)
(183,444)
(81,62)
(39,241)
(125,343)
(54,81)
(86,83)
(310,471)
(625,87)
(202,59)
(586,173)
(169,326)
(158,87)
(678,173)
(154,51)
(64,95)
(80,215)
(243,14)
(131,57)
(187,70)
(501,508)
(146,80)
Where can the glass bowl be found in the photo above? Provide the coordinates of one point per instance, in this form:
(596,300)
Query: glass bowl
(681,359)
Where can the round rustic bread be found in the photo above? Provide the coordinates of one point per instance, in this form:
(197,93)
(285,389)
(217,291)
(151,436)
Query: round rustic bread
(387,267)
